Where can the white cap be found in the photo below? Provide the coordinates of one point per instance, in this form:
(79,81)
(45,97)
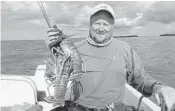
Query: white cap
(105,7)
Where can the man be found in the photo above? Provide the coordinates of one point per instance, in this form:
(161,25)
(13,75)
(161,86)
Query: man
(110,63)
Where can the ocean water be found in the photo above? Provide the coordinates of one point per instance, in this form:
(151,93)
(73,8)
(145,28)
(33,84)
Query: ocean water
(21,57)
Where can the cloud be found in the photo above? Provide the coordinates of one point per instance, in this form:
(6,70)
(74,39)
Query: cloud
(130,15)
(75,14)
(170,28)
(122,23)
(129,9)
(82,18)
(20,11)
(161,12)
(60,12)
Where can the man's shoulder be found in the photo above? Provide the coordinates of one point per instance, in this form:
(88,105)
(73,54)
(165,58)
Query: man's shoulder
(120,43)
(123,46)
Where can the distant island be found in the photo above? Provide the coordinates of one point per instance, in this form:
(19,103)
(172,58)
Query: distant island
(167,35)
(125,36)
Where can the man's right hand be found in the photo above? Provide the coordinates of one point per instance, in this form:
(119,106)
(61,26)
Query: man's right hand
(55,36)
(53,33)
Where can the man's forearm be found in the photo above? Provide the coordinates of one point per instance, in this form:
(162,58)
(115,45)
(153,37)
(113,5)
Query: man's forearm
(144,83)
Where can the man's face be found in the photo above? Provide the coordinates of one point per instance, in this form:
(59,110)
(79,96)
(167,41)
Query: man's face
(101,31)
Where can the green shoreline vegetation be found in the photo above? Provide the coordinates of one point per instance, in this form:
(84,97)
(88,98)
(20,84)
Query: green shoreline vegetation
(167,35)
(126,36)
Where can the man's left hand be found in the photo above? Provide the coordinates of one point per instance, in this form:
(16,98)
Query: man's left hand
(164,93)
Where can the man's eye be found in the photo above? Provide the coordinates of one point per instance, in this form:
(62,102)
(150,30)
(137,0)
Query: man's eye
(97,23)
(106,24)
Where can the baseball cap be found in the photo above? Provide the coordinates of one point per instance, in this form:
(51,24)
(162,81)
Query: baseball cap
(105,7)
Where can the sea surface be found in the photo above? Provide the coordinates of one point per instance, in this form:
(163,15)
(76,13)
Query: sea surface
(21,57)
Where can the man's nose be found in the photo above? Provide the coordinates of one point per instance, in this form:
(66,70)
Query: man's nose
(101,28)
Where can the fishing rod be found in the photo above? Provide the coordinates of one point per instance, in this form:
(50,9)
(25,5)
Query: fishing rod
(40,4)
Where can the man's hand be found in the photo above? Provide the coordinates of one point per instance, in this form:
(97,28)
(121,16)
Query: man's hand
(53,33)
(55,36)
(164,93)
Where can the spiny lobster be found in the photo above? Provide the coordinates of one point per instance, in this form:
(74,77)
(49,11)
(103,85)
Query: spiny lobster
(67,66)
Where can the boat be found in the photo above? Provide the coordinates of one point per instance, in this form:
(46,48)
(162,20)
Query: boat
(23,90)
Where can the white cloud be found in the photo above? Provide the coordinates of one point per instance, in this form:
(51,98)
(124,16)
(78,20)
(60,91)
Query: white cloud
(77,12)
(128,23)
(64,7)
(20,11)
(144,5)
(170,28)
(161,12)
(20,6)
(131,16)
(82,18)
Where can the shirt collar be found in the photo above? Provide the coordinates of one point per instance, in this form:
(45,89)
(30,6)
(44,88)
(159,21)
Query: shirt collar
(92,42)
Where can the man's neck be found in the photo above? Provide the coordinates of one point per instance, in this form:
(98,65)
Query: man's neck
(92,42)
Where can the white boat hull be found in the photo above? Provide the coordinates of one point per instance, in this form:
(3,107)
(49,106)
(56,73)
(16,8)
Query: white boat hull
(37,82)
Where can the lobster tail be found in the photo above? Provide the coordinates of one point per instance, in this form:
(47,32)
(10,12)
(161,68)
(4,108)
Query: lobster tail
(59,91)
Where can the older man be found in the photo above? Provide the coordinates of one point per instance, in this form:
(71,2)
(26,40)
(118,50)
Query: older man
(110,63)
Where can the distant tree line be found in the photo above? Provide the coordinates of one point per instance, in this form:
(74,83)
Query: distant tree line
(167,35)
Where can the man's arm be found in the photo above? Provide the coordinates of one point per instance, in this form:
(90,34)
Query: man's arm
(145,84)
(136,75)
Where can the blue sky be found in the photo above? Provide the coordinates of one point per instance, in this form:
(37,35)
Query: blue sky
(24,20)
